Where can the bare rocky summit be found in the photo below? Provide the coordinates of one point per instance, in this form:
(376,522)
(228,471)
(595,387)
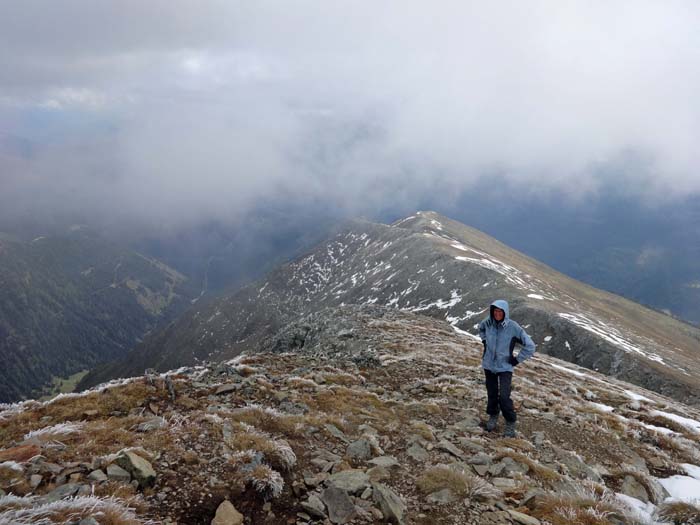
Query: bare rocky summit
(352,414)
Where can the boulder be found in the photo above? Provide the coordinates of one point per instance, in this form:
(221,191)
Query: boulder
(314,506)
(340,507)
(138,467)
(226,514)
(360,449)
(391,505)
(633,488)
(352,481)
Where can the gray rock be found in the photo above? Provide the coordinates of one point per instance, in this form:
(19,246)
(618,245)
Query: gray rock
(88,521)
(391,505)
(538,438)
(523,519)
(443,496)
(480,459)
(227,389)
(530,499)
(339,505)
(417,453)
(314,506)
(116,473)
(633,488)
(513,467)
(35,480)
(336,432)
(468,423)
(226,514)
(64,491)
(138,467)
(360,449)
(353,481)
(98,475)
(448,447)
(482,470)
(384,461)
(657,492)
(577,468)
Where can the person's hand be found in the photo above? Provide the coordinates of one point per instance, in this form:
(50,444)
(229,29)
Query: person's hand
(513,361)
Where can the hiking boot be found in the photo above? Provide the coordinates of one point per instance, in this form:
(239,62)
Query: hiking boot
(510,429)
(492,423)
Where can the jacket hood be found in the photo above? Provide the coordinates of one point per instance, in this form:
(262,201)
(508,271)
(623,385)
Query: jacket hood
(503,305)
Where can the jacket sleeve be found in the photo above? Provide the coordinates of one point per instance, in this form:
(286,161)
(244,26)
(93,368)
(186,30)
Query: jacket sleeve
(482,330)
(528,346)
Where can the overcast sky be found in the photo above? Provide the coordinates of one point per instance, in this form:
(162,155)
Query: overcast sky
(183,111)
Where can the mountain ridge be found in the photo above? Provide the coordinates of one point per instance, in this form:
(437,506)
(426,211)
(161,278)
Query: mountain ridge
(429,264)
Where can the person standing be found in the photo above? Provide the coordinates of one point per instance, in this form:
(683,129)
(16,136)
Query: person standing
(499,335)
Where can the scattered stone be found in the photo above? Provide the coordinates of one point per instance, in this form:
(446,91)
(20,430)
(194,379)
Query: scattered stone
(523,519)
(538,438)
(64,491)
(378,473)
(391,505)
(336,432)
(504,484)
(633,488)
(360,449)
(138,467)
(482,470)
(226,514)
(443,496)
(97,475)
(468,424)
(480,459)
(532,498)
(384,461)
(228,388)
(448,447)
(35,480)
(89,521)
(116,473)
(314,506)
(340,507)
(353,481)
(417,453)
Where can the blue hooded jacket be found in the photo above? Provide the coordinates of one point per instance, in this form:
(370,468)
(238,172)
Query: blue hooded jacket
(500,340)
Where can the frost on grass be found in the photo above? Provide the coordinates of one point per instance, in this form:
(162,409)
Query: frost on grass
(49,433)
(16,510)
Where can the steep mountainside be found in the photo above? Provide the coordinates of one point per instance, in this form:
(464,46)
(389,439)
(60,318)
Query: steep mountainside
(72,301)
(355,414)
(429,264)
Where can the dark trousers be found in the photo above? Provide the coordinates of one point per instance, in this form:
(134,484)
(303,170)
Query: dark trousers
(498,390)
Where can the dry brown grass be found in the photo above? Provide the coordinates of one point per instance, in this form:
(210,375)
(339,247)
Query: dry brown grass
(459,482)
(515,443)
(423,430)
(110,511)
(588,508)
(679,513)
(277,453)
(267,420)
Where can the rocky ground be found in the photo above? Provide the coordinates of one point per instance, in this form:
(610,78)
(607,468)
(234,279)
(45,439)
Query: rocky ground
(352,415)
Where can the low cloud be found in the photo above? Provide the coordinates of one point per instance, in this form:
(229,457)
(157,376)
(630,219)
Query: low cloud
(176,112)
